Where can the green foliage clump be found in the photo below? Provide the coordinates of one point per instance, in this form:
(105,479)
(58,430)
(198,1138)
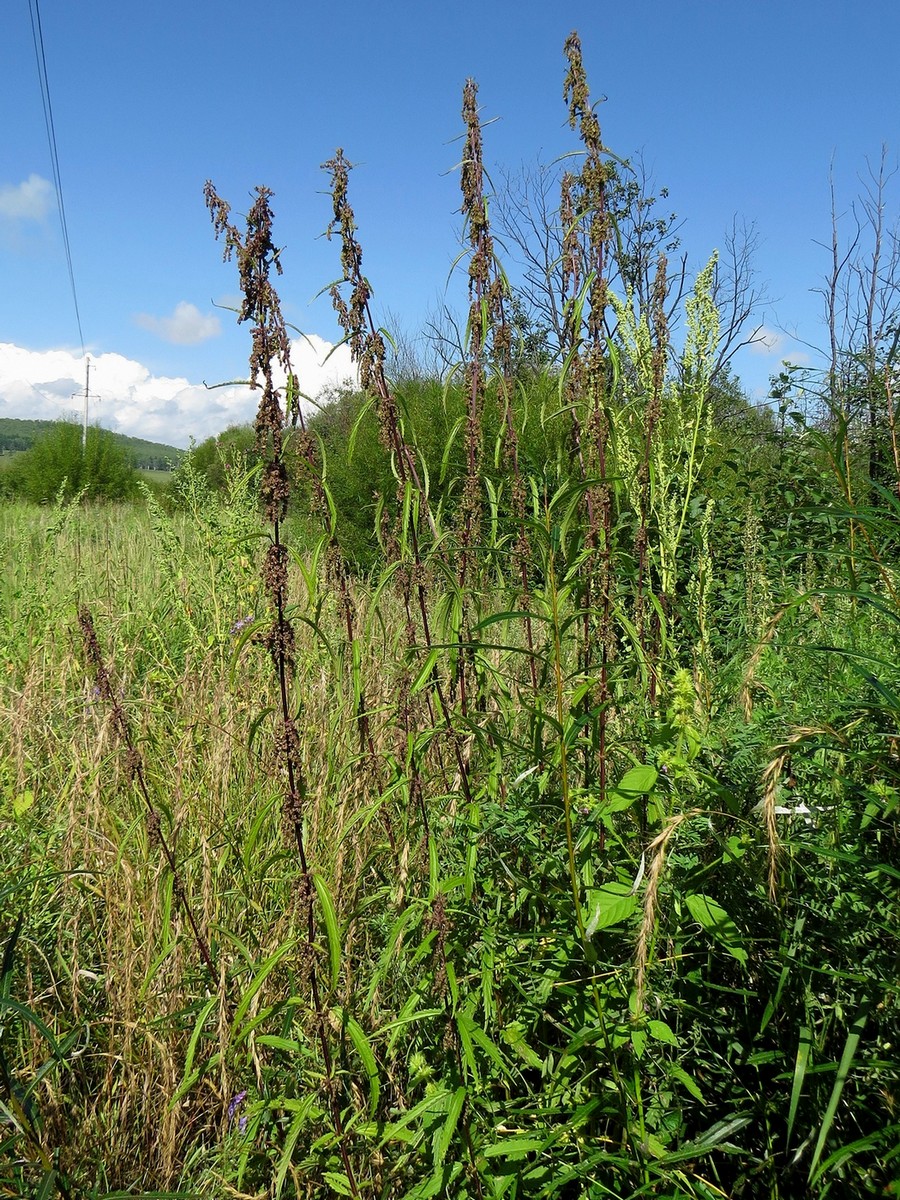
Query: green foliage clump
(218,458)
(58,465)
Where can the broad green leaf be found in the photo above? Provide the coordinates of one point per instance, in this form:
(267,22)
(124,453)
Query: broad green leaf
(437,1102)
(661,1032)
(425,671)
(609,905)
(638,781)
(288,1045)
(338,1182)
(687,1081)
(480,1038)
(514,1036)
(516,1147)
(445,1134)
(331,927)
(290,1141)
(850,1047)
(195,1037)
(22,803)
(363,1048)
(716,921)
(258,980)
(436,1184)
(28,1015)
(715,1136)
(48,1186)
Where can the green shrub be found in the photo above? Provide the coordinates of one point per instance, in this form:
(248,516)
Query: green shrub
(58,465)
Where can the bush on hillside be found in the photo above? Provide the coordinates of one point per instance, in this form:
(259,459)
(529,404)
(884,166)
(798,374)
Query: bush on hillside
(57,462)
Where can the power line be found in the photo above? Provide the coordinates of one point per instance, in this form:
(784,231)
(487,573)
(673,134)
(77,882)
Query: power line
(37,35)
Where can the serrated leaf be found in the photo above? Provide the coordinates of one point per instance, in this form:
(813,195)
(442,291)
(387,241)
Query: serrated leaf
(661,1032)
(338,1182)
(445,1134)
(290,1142)
(363,1048)
(687,1081)
(609,905)
(639,781)
(434,1103)
(516,1147)
(514,1036)
(713,1137)
(259,979)
(195,1037)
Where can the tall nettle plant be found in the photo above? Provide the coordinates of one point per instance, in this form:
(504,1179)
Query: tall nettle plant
(256,256)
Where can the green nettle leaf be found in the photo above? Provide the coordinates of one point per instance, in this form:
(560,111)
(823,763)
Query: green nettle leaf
(716,921)
(22,803)
(687,1081)
(661,1032)
(331,927)
(444,1135)
(364,1049)
(609,905)
(515,1147)
(639,1042)
(338,1182)
(514,1036)
(639,781)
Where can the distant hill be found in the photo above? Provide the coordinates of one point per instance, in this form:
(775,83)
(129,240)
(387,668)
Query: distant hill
(16,435)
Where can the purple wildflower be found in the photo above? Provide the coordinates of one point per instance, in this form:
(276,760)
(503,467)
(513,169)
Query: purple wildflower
(240,624)
(234,1105)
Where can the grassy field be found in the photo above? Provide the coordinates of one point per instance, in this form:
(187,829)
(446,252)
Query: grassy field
(521,978)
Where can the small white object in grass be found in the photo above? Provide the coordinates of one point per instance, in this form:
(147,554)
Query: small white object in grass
(524,775)
(640,875)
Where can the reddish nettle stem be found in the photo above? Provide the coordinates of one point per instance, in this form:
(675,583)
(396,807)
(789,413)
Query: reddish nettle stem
(585,197)
(256,255)
(368,350)
(482,308)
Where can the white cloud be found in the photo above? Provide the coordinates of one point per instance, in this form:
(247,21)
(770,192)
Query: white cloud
(45,384)
(29,200)
(770,343)
(308,358)
(187,326)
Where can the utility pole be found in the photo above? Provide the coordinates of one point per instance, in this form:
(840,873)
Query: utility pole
(87,392)
(85,396)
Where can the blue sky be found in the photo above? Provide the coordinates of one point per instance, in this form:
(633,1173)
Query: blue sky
(739,108)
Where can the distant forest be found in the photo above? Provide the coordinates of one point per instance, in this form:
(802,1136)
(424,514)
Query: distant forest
(16,435)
